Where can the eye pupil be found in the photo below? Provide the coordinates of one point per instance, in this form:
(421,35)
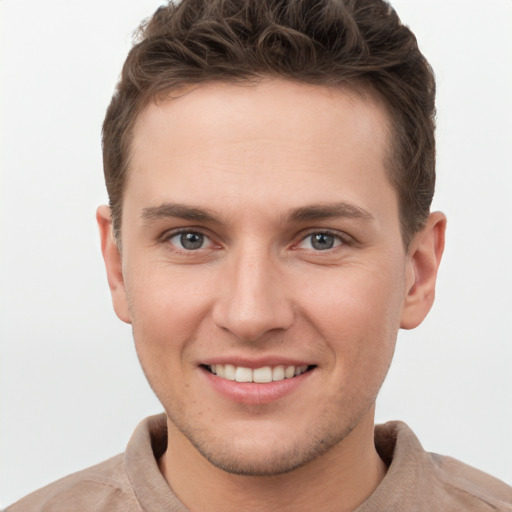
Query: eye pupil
(322,241)
(191,241)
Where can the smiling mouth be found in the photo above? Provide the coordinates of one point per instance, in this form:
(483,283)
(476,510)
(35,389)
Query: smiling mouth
(261,375)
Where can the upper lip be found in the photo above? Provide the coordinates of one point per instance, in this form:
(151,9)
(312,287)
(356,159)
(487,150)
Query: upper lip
(258,362)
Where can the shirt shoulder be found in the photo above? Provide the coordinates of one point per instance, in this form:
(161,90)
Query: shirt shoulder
(467,484)
(420,481)
(100,488)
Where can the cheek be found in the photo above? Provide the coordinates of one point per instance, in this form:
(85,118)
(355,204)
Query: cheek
(357,298)
(165,323)
(158,292)
(167,310)
(358,313)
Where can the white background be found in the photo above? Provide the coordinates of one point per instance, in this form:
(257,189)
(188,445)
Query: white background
(71,387)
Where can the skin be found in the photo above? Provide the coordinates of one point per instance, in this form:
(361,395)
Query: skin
(257,170)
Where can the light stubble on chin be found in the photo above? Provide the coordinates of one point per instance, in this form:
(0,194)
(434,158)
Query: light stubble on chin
(253,461)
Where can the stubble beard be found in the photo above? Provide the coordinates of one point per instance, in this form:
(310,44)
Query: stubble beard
(236,458)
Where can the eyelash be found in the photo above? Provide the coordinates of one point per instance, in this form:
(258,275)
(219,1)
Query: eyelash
(342,240)
(169,236)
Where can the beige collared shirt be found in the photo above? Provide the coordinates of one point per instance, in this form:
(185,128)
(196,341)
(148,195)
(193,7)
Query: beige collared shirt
(131,482)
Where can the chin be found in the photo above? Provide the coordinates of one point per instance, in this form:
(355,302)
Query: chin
(268,454)
(262,462)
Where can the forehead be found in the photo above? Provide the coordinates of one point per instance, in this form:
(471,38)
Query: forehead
(275,105)
(273,139)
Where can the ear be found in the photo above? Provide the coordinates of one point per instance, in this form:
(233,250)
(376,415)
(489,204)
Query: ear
(113,263)
(423,259)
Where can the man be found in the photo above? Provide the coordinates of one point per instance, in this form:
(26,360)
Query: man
(270,168)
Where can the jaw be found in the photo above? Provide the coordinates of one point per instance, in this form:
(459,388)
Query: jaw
(265,428)
(270,477)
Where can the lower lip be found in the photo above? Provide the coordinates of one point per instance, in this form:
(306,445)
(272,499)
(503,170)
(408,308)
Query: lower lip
(252,393)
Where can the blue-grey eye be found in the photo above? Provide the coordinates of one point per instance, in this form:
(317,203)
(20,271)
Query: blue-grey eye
(190,240)
(321,241)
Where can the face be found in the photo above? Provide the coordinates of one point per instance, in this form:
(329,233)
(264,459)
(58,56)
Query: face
(262,268)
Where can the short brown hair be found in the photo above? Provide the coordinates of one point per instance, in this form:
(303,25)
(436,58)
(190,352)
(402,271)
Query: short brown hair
(326,42)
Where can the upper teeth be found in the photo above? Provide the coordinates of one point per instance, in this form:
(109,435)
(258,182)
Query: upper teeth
(261,375)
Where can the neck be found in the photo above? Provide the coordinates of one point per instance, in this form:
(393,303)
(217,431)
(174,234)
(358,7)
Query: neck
(340,479)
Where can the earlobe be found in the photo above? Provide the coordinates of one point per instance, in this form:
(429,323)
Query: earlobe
(423,259)
(113,263)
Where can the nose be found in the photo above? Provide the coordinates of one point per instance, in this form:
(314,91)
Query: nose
(252,299)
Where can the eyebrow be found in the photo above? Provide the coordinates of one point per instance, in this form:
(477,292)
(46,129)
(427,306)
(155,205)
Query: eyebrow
(328,211)
(303,214)
(177,210)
